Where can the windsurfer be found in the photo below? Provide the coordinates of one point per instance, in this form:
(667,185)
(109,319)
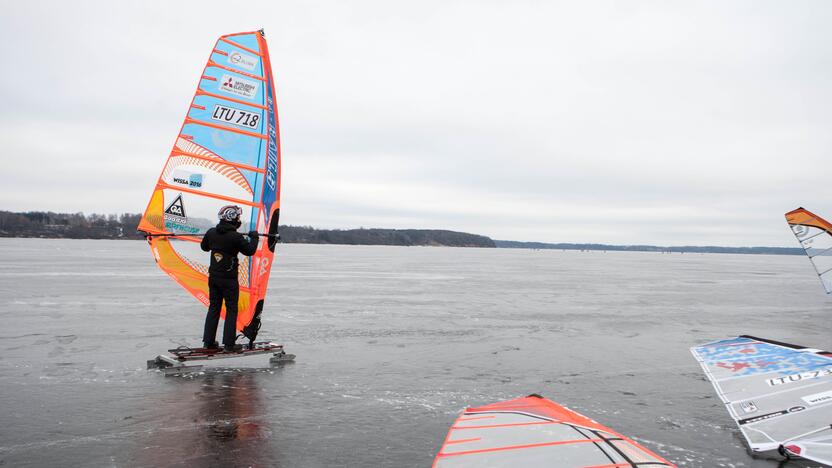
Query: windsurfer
(224,243)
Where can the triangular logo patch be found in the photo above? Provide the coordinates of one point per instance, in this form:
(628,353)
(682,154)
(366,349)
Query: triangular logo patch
(176,210)
(217,257)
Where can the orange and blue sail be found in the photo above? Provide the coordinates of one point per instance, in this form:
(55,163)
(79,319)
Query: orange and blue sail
(815,236)
(227,151)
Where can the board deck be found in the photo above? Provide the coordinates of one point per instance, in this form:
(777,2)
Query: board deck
(193,354)
(179,357)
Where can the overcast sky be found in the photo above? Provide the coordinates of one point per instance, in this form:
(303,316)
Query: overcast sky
(696,123)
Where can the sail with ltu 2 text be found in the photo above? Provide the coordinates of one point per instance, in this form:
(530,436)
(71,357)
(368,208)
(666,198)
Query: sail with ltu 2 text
(227,151)
(779,394)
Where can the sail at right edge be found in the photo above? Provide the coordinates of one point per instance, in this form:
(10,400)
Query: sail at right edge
(779,394)
(815,236)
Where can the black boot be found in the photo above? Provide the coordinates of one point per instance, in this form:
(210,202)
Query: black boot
(233,348)
(213,345)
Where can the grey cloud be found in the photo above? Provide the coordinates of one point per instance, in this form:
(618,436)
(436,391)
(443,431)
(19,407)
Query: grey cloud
(637,122)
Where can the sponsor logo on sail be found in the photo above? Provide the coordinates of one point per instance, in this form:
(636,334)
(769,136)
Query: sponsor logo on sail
(748,406)
(264,265)
(239,86)
(763,417)
(818,398)
(800,231)
(180,228)
(188,179)
(242,60)
(176,211)
(271,152)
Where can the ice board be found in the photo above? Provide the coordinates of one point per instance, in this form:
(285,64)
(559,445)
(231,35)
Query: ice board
(180,357)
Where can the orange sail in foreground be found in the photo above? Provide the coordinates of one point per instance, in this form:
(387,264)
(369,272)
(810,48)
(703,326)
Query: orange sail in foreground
(227,152)
(534,431)
(815,236)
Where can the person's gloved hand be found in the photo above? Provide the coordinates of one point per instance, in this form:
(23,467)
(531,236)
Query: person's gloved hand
(253,234)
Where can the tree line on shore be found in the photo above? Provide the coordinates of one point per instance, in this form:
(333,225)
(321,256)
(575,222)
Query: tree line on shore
(123,226)
(650,248)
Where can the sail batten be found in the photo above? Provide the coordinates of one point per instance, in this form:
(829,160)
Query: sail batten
(226,151)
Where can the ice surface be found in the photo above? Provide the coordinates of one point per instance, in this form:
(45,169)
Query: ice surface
(391,342)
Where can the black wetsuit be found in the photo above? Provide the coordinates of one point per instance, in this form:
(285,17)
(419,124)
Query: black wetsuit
(224,243)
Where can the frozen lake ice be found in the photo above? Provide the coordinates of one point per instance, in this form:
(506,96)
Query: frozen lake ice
(391,342)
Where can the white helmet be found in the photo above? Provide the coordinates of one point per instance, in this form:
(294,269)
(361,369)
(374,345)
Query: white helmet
(230,213)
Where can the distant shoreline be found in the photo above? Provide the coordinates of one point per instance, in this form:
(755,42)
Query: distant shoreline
(651,248)
(562,247)
(49,225)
